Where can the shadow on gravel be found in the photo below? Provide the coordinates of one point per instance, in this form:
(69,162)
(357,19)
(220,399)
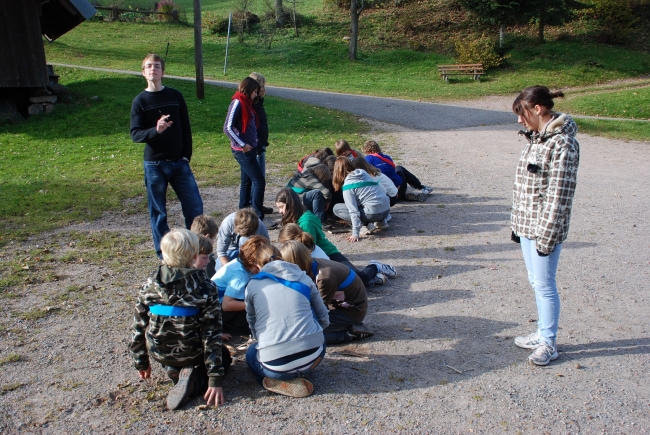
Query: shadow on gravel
(634,346)
(468,344)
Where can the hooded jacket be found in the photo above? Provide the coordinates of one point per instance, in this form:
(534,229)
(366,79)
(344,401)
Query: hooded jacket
(545,184)
(372,198)
(179,341)
(282,320)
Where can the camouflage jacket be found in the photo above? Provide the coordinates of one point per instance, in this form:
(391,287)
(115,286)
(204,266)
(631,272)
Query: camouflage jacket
(173,340)
(545,183)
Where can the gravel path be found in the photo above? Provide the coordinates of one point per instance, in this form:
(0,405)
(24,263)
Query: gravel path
(442,360)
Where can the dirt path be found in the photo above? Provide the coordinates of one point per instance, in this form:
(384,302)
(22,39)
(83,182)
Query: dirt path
(442,360)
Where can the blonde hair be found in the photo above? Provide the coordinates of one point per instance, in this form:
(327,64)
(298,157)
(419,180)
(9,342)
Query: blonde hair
(259,78)
(205,246)
(155,58)
(294,232)
(267,254)
(203,225)
(246,222)
(297,253)
(179,248)
(371,147)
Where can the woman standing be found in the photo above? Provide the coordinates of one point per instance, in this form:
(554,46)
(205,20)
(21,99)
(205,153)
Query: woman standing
(263,128)
(545,183)
(241,128)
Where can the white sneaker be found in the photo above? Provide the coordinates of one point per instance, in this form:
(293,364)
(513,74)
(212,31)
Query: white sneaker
(384,269)
(381,225)
(530,341)
(543,354)
(426,189)
(368,229)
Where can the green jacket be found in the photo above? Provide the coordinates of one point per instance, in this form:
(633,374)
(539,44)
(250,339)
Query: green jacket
(179,341)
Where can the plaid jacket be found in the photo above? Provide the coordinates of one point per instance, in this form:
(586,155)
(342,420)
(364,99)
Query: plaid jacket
(545,183)
(303,182)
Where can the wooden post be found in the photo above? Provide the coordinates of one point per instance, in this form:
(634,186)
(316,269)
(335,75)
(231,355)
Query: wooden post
(198,51)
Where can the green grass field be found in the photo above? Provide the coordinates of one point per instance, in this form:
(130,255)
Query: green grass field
(79,161)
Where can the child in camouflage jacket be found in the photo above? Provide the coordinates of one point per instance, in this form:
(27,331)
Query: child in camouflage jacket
(178,323)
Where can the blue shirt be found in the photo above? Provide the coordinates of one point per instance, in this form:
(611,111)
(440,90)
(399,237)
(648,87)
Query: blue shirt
(231,280)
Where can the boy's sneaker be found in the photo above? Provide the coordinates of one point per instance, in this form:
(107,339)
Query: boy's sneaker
(543,354)
(368,229)
(297,387)
(188,380)
(379,279)
(385,269)
(426,189)
(531,341)
(357,332)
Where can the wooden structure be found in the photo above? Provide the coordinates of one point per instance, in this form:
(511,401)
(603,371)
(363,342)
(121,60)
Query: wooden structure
(23,24)
(470,69)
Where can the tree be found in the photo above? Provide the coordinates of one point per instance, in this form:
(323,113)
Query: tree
(551,12)
(279,13)
(355,13)
(496,12)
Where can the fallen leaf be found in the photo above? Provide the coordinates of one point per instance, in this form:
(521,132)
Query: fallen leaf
(408,329)
(202,407)
(438,276)
(352,353)
(559,375)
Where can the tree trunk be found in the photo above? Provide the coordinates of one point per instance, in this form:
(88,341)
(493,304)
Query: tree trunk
(279,20)
(354,30)
(542,22)
(198,51)
(502,34)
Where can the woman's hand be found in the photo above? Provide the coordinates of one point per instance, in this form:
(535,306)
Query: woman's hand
(353,239)
(247,148)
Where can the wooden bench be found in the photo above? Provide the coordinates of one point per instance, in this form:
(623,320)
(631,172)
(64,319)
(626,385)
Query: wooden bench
(470,69)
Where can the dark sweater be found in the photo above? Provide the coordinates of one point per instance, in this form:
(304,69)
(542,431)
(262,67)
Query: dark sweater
(263,129)
(173,143)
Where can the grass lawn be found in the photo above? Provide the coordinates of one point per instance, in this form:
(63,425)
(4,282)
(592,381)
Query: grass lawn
(79,161)
(318,60)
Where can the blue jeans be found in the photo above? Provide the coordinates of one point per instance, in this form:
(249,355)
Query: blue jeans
(261,160)
(337,331)
(157,175)
(541,274)
(260,372)
(314,201)
(251,179)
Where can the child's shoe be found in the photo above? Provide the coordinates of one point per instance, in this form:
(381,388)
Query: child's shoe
(297,387)
(188,385)
(426,189)
(385,269)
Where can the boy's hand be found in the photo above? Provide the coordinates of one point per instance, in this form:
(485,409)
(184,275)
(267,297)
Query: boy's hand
(353,239)
(145,374)
(163,124)
(214,396)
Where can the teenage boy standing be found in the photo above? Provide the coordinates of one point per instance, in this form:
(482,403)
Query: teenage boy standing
(159,119)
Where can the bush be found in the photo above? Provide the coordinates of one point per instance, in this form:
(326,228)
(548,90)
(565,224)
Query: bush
(478,50)
(166,6)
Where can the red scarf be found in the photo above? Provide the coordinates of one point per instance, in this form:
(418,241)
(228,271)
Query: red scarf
(384,159)
(246,110)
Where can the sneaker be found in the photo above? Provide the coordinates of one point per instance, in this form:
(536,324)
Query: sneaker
(173,373)
(531,341)
(297,387)
(426,189)
(381,225)
(385,269)
(357,332)
(543,354)
(415,197)
(379,279)
(368,229)
(267,210)
(188,379)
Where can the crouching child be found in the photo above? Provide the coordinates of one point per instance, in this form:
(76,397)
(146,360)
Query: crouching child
(177,322)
